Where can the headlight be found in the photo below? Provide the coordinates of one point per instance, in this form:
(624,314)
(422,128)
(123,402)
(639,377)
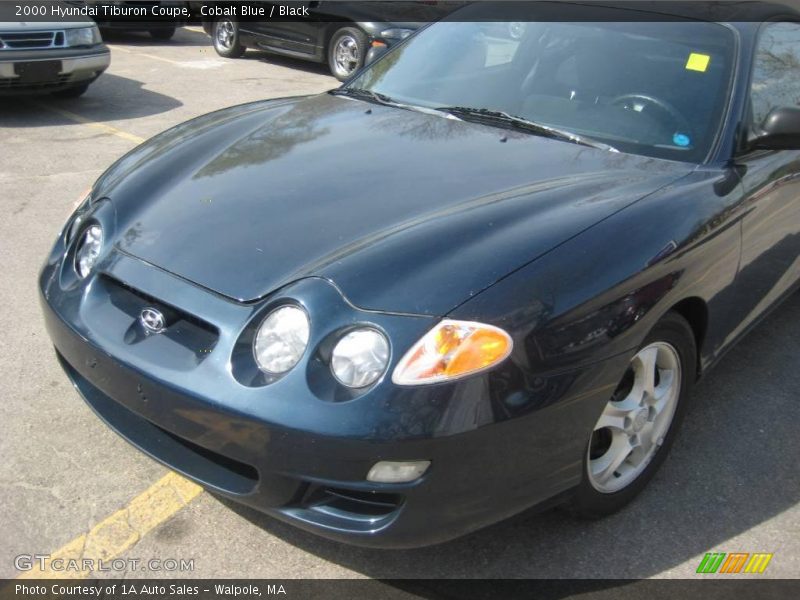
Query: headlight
(360,358)
(88,250)
(281,340)
(77,214)
(396,33)
(85,36)
(451,350)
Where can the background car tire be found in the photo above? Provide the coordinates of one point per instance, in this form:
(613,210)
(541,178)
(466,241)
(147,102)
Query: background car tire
(225,37)
(72,92)
(346,52)
(162,34)
(673,331)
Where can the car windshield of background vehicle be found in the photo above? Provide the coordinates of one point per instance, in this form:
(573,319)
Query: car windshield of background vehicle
(657,89)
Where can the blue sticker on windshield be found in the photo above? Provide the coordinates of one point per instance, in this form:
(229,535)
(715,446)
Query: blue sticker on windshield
(681,139)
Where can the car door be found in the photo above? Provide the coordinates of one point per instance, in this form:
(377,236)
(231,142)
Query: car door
(770,260)
(289,34)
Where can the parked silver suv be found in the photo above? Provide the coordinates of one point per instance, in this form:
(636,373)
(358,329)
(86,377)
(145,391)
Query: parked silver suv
(62,58)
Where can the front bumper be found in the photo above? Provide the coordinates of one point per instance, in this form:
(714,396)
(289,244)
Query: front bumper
(291,448)
(78,66)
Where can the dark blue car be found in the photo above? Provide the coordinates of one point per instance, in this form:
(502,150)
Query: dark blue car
(481,276)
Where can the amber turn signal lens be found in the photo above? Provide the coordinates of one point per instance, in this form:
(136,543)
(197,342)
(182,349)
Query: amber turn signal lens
(451,350)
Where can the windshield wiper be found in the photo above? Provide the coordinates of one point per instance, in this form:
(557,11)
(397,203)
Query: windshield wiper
(378,98)
(363,94)
(503,119)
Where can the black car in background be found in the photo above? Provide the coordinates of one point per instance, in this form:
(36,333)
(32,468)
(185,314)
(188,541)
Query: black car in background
(339,33)
(160,28)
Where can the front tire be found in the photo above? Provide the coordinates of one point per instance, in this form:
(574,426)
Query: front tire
(225,37)
(638,425)
(346,52)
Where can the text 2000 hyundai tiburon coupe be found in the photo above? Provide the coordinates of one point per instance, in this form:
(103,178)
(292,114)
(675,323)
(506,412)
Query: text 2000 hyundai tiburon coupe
(482,275)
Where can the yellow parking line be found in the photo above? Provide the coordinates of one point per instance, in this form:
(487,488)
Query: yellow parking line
(84,121)
(114,535)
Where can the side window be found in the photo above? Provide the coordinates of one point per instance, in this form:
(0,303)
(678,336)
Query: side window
(776,73)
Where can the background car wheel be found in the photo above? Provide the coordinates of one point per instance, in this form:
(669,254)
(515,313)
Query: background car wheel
(635,431)
(72,92)
(163,33)
(225,36)
(346,52)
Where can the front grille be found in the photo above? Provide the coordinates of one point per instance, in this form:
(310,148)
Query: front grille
(190,332)
(18,83)
(131,300)
(31,40)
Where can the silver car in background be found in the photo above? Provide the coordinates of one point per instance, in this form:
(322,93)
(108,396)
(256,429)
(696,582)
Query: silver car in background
(60,58)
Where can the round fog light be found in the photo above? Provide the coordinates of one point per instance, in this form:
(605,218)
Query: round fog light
(360,358)
(388,471)
(88,250)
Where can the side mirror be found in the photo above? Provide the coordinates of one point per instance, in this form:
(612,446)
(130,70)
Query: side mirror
(780,131)
(375,52)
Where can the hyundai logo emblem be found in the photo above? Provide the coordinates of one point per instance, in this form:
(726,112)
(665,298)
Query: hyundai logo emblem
(152,320)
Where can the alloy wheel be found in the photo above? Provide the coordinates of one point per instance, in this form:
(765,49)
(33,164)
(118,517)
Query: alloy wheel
(346,55)
(226,34)
(635,421)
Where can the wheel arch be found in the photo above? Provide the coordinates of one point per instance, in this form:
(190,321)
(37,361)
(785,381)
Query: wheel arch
(695,310)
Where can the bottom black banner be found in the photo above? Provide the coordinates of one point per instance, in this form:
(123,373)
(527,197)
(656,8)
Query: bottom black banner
(445,589)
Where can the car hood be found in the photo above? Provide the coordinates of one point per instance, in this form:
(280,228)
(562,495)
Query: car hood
(404,211)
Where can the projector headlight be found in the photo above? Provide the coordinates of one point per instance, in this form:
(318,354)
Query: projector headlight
(360,358)
(88,251)
(84,36)
(281,340)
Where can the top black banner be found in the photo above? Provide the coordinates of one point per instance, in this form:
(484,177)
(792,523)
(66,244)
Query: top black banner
(419,11)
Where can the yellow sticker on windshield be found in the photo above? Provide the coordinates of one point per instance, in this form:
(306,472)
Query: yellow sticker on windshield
(698,62)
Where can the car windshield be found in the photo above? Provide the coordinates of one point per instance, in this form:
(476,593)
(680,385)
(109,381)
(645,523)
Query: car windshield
(653,88)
